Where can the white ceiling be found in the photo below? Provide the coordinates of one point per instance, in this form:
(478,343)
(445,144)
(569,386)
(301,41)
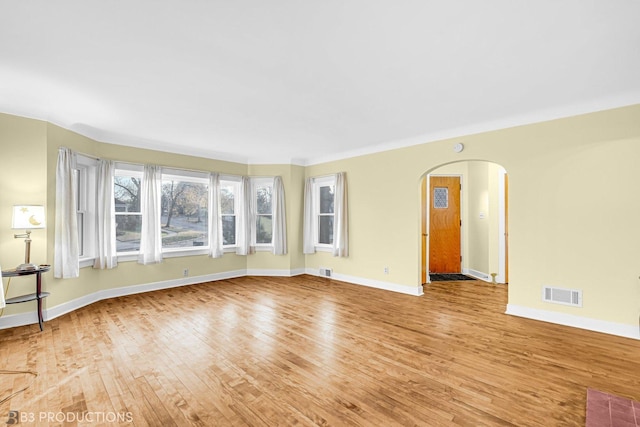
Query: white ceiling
(294,81)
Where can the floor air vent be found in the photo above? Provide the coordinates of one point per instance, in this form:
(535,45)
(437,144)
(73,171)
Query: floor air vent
(325,272)
(571,297)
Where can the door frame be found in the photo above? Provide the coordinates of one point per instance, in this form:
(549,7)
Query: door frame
(503,233)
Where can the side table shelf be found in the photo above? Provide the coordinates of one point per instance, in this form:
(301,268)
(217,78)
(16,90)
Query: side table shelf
(37,296)
(26,298)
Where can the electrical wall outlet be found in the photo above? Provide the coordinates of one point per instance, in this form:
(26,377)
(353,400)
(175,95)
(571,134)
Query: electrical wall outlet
(185,272)
(386,270)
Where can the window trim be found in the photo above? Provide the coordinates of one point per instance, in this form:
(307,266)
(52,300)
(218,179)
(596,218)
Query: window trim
(319,182)
(255,183)
(85,174)
(236,182)
(126,170)
(187,176)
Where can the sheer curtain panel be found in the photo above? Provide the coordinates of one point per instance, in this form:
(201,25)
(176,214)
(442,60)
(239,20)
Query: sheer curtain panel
(341,212)
(245,219)
(105,221)
(215,218)
(308,245)
(279,218)
(151,235)
(66,262)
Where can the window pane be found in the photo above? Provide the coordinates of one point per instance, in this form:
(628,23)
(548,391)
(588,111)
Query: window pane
(264,200)
(441,198)
(128,229)
(263,229)
(126,194)
(325,229)
(184,214)
(228,230)
(326,199)
(226,200)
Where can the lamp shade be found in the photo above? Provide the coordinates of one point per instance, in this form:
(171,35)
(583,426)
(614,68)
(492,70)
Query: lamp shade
(28,216)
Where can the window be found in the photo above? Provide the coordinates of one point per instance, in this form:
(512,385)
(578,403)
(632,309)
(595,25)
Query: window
(85,177)
(324,192)
(263,190)
(184,210)
(126,190)
(229,208)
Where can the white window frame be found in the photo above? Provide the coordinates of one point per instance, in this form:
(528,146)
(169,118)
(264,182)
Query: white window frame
(85,176)
(255,184)
(128,170)
(319,182)
(186,176)
(235,182)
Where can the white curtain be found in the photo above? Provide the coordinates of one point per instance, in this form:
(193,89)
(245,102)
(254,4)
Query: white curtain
(341,218)
(105,233)
(308,245)
(151,236)
(215,217)
(245,219)
(66,251)
(279,218)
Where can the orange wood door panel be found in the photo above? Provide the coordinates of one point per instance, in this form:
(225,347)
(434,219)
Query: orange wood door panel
(444,224)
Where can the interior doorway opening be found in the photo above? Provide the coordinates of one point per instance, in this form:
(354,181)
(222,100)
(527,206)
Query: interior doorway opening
(467,235)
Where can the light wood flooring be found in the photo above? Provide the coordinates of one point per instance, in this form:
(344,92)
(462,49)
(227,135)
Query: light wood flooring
(264,351)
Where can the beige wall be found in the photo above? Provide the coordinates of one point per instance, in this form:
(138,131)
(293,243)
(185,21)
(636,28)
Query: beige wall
(566,177)
(573,209)
(23,180)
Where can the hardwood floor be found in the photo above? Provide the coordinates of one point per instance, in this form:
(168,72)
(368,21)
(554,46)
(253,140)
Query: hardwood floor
(264,351)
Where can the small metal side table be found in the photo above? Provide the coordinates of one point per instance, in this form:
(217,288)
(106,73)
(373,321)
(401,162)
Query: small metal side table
(38,296)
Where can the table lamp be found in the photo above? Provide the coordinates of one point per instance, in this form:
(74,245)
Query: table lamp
(27,217)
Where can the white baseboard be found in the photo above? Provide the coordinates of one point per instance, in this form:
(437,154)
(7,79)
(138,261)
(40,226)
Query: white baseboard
(275,273)
(477,274)
(612,328)
(378,284)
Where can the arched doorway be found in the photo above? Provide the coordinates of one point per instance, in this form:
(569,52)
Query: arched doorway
(482,240)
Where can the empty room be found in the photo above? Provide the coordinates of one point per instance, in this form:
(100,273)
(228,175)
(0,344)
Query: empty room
(320,213)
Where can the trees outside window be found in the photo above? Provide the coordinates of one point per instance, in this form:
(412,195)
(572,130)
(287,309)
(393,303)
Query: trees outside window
(263,190)
(184,212)
(126,192)
(323,210)
(229,206)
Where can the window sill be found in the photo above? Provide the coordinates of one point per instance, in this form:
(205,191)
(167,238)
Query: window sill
(86,262)
(324,248)
(182,252)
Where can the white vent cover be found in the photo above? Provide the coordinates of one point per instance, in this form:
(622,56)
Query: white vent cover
(325,272)
(571,297)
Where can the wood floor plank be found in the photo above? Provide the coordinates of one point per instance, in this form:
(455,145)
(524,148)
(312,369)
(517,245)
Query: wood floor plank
(264,351)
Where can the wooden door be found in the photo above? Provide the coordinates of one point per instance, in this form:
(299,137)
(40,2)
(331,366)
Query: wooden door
(444,224)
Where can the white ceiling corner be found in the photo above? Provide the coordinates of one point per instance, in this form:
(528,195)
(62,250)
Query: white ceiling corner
(304,82)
